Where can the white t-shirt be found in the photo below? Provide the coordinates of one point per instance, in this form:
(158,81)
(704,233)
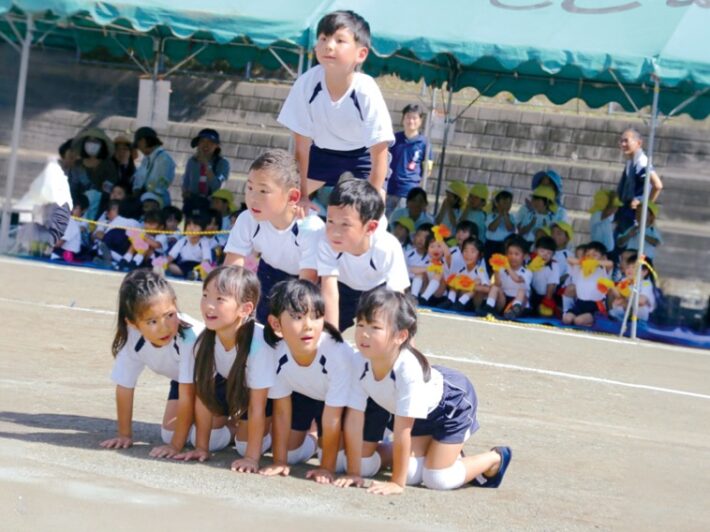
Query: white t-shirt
(171,360)
(120,221)
(602,230)
(647,291)
(290,250)
(360,118)
(187,251)
(510,288)
(260,368)
(72,236)
(586,287)
(560,257)
(382,263)
(457,261)
(327,378)
(548,274)
(414,259)
(403,392)
(478,274)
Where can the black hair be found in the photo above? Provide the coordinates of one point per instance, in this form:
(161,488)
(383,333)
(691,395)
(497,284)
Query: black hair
(580,247)
(197,219)
(516,241)
(296,296)
(469,226)
(546,242)
(417,192)
(137,289)
(360,195)
(425,227)
(64,147)
(596,246)
(242,285)
(399,312)
(154,217)
(412,108)
(473,241)
(350,20)
(172,210)
(213,214)
(152,142)
(503,194)
(80,200)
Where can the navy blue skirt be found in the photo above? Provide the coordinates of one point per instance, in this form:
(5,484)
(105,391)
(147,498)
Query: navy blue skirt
(328,165)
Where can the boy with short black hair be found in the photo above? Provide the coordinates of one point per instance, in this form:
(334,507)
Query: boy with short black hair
(545,277)
(356,257)
(337,114)
(510,291)
(584,276)
(415,208)
(499,223)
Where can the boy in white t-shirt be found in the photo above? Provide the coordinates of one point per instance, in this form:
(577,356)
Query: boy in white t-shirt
(545,277)
(585,275)
(619,295)
(510,290)
(191,250)
(354,256)
(337,114)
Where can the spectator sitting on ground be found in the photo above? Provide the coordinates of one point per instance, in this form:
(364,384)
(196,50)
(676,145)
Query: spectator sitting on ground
(157,169)
(416,209)
(68,247)
(510,291)
(417,258)
(403,228)
(408,152)
(94,173)
(150,201)
(191,250)
(429,285)
(585,275)
(124,158)
(222,201)
(499,223)
(205,171)
(469,286)
(629,240)
(155,242)
(111,242)
(619,295)
(474,210)
(464,231)
(453,204)
(173,218)
(630,187)
(545,277)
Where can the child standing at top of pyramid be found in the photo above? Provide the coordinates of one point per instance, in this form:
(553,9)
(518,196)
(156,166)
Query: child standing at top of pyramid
(337,114)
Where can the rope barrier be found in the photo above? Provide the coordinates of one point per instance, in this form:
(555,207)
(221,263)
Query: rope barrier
(150,231)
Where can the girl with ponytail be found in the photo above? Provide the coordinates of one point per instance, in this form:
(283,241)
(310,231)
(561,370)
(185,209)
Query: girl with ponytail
(232,369)
(433,408)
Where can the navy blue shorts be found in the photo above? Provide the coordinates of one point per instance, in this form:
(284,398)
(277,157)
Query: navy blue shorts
(304,410)
(348,299)
(117,240)
(328,165)
(269,410)
(454,420)
(268,277)
(582,306)
(220,386)
(186,266)
(376,421)
(174,391)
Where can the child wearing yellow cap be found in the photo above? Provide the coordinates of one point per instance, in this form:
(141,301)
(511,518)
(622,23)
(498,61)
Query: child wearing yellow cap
(453,204)
(541,214)
(474,209)
(629,239)
(601,222)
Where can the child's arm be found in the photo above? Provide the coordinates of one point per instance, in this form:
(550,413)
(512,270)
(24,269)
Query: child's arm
(573,261)
(280,429)
(623,238)
(352,435)
(124,415)
(233,259)
(308,274)
(550,291)
(331,298)
(525,229)
(330,444)
(256,427)
(185,415)
(302,154)
(515,277)
(203,428)
(417,270)
(508,221)
(379,155)
(402,449)
(652,240)
(496,222)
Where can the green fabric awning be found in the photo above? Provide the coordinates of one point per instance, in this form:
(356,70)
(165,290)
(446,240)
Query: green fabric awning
(563,49)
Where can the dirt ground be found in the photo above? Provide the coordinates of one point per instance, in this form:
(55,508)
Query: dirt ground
(605,433)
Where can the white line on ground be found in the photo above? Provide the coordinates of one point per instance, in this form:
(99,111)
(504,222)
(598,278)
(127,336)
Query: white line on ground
(574,376)
(57,306)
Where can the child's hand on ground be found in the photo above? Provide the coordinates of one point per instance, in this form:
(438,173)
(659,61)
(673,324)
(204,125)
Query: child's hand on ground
(119,442)
(349,480)
(385,488)
(201,455)
(276,469)
(320,475)
(164,451)
(245,465)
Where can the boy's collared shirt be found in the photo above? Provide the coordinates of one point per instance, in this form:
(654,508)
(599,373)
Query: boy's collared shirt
(382,263)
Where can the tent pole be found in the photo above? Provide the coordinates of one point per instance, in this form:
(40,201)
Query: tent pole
(427,133)
(301,58)
(16,131)
(644,206)
(440,177)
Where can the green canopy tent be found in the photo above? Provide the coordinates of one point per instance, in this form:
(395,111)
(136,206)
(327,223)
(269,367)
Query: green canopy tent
(638,54)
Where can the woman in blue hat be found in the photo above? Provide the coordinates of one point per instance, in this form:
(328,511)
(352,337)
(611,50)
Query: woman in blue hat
(205,171)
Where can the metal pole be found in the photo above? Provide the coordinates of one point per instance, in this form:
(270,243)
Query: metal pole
(16,132)
(301,59)
(427,134)
(443,151)
(644,206)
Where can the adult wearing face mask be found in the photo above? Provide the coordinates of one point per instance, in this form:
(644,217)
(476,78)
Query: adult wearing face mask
(94,174)
(157,169)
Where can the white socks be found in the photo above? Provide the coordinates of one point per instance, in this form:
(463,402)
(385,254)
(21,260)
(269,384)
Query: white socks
(304,452)
(431,288)
(241,446)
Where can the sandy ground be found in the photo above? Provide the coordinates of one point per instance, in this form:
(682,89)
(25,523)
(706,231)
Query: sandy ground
(606,433)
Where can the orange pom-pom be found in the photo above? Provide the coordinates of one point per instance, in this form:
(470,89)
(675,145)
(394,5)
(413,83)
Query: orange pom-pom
(441,232)
(499,262)
(466,284)
(604,285)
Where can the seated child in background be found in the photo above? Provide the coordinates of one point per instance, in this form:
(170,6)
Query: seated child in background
(222,201)
(150,201)
(112,242)
(464,230)
(453,204)
(545,277)
(403,228)
(417,258)
(416,208)
(619,295)
(470,284)
(190,250)
(510,291)
(355,256)
(69,246)
(601,222)
(216,240)
(629,239)
(499,223)
(429,283)
(541,214)
(173,218)
(585,275)
(153,244)
(562,233)
(473,212)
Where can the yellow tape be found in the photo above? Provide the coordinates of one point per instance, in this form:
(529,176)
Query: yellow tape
(150,231)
